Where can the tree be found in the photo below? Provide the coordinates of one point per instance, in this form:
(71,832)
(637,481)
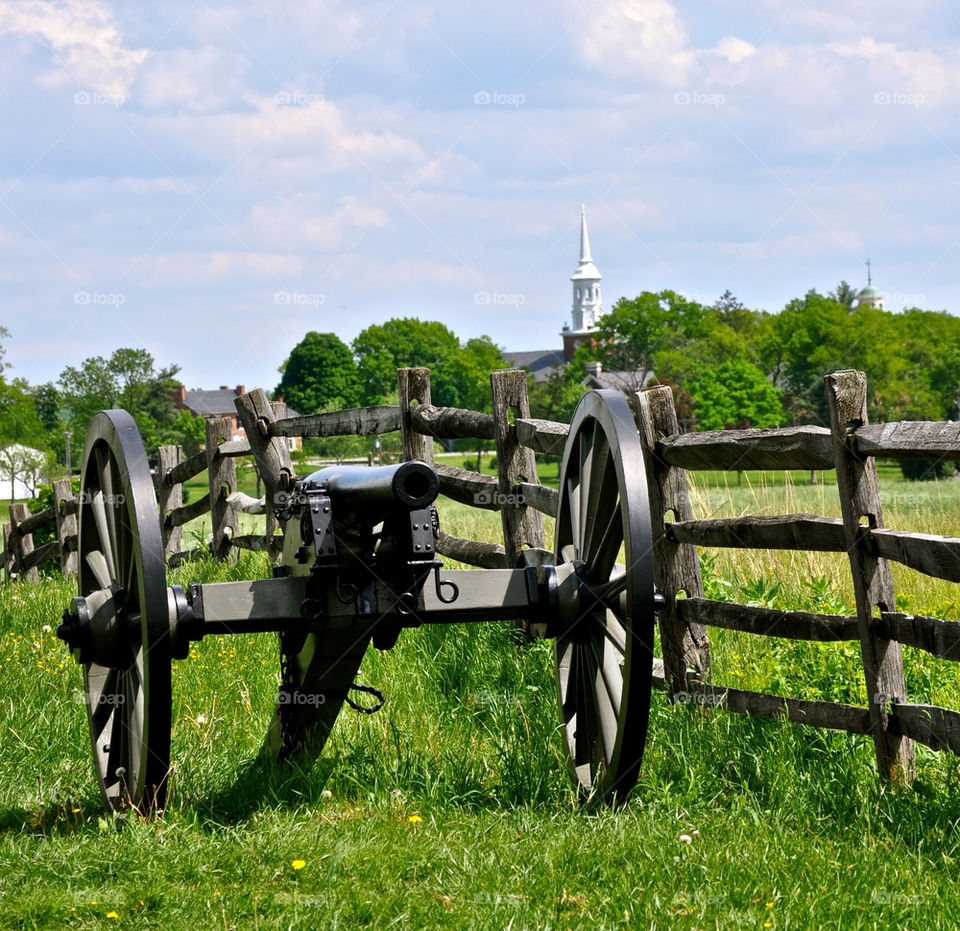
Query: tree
(557,396)
(23,439)
(402,342)
(128,380)
(734,393)
(635,332)
(185,430)
(817,336)
(844,294)
(730,312)
(468,372)
(319,374)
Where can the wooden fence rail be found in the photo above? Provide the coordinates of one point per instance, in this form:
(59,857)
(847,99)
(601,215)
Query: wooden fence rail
(849,446)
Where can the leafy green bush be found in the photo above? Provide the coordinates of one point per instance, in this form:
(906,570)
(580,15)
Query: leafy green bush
(923,470)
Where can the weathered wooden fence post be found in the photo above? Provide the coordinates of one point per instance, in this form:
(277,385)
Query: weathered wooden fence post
(22,542)
(413,386)
(280,412)
(222,479)
(522,525)
(686,647)
(271,453)
(7,551)
(64,509)
(169,496)
(872,580)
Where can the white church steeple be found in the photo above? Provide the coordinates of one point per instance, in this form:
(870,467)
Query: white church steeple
(587,302)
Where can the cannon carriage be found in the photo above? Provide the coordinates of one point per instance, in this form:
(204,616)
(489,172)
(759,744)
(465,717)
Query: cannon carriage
(358,566)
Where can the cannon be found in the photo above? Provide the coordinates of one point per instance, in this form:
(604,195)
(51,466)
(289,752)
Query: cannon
(358,566)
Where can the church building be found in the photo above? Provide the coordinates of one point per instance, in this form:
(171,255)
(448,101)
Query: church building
(585,316)
(870,296)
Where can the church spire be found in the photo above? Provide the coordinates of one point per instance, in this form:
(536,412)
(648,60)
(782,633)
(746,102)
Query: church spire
(584,237)
(587,302)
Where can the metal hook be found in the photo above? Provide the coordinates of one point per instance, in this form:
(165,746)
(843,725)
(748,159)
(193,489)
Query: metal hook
(346,586)
(440,583)
(407,603)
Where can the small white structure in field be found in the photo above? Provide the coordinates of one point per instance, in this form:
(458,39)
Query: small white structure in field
(21,470)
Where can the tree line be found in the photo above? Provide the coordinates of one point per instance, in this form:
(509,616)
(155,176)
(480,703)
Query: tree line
(731,366)
(728,366)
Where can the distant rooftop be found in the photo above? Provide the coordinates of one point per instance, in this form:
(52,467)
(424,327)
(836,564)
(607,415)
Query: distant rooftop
(542,363)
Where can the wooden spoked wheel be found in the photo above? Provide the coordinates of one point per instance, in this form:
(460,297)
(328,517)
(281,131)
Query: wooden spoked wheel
(126,660)
(604,651)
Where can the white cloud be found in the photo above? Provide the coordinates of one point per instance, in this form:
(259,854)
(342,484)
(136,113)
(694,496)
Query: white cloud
(624,37)
(289,141)
(305,221)
(198,80)
(647,40)
(83,37)
(734,50)
(201,269)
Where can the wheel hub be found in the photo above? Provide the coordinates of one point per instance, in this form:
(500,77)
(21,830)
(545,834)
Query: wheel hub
(96,630)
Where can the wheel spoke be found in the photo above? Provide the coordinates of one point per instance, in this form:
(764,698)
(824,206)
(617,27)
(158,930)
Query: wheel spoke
(105,468)
(573,496)
(587,730)
(98,566)
(134,713)
(604,556)
(601,493)
(610,591)
(588,439)
(607,687)
(564,669)
(102,685)
(616,636)
(106,543)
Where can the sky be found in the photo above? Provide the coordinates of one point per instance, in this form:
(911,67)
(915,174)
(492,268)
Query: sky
(209,181)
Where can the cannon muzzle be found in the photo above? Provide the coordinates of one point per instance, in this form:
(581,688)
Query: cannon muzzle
(372,492)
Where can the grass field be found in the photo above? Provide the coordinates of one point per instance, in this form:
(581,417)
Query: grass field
(451,807)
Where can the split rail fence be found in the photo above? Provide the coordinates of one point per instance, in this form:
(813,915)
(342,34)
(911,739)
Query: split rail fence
(850,446)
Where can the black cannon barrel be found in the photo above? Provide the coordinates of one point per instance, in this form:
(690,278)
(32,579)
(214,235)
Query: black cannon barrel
(362,490)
